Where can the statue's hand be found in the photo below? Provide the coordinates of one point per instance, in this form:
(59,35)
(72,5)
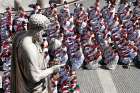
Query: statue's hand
(56,67)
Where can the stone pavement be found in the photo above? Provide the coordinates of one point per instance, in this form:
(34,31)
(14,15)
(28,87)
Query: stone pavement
(124,80)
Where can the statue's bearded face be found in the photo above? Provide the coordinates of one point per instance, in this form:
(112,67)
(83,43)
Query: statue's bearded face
(38,22)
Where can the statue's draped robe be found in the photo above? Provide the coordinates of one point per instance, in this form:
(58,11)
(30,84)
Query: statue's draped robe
(21,78)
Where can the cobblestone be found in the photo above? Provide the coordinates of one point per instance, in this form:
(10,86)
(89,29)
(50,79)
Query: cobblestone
(125,80)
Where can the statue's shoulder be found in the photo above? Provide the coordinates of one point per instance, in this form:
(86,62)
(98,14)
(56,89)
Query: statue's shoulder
(18,35)
(27,40)
(28,44)
(17,38)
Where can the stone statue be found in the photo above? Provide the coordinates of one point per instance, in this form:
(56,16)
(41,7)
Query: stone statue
(29,69)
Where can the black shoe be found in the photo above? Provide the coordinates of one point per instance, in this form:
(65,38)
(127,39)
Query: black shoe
(125,66)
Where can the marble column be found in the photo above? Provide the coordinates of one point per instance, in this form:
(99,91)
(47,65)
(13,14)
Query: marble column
(17,4)
(43,3)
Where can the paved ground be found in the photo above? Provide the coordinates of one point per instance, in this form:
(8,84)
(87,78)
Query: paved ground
(116,81)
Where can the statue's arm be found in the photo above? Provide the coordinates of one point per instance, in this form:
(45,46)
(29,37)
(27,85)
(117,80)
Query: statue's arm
(36,73)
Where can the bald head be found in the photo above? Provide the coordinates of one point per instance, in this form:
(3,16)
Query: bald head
(38,22)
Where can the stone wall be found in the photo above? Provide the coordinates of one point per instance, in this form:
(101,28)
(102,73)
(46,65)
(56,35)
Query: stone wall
(5,3)
(24,3)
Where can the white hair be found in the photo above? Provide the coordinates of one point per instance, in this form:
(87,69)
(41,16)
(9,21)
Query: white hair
(38,21)
(55,43)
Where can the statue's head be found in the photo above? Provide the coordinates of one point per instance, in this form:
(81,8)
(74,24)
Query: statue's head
(38,22)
